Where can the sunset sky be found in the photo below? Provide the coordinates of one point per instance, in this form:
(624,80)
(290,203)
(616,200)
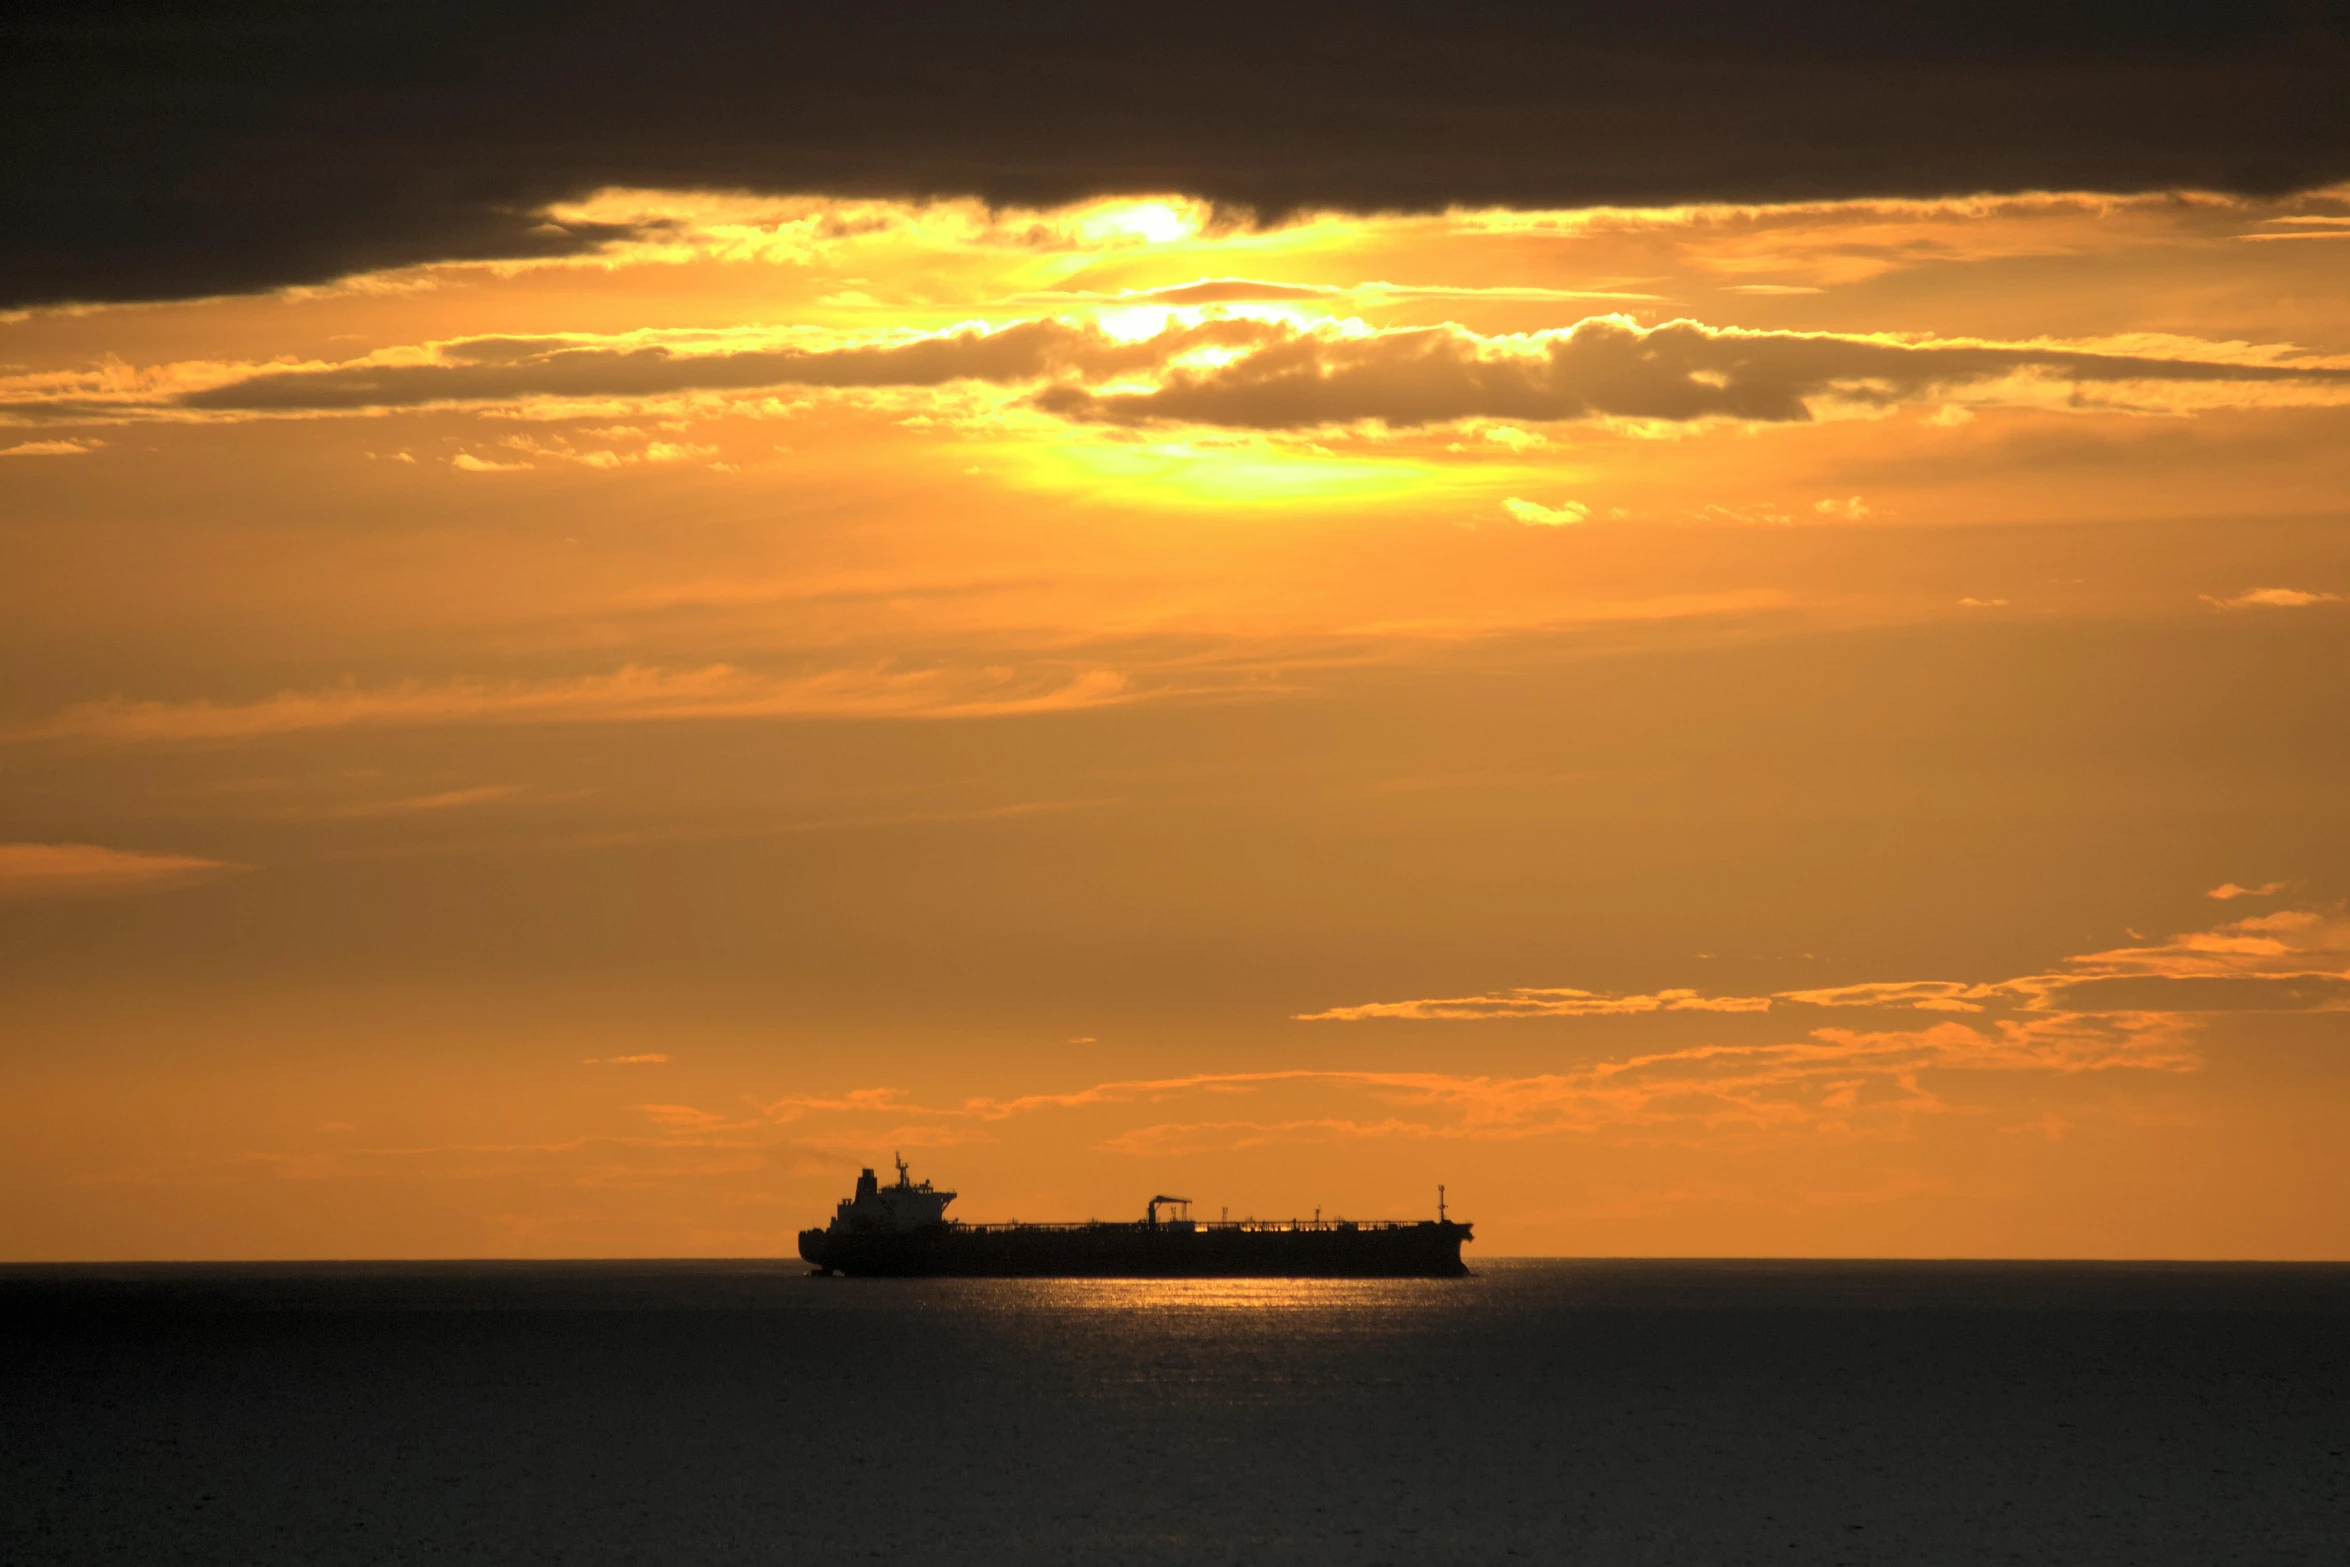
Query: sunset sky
(1771,721)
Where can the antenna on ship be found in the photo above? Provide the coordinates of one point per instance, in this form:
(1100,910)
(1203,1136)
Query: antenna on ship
(1440,1202)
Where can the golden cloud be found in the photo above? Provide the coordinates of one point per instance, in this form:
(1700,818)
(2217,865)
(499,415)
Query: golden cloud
(1833,1079)
(2273,598)
(2292,960)
(632,694)
(1541,1003)
(83,870)
(1244,372)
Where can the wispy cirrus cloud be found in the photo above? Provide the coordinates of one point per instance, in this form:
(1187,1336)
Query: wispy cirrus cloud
(2273,598)
(1836,1082)
(1923,995)
(2291,960)
(1553,1002)
(420,804)
(632,694)
(2294,960)
(1854,1081)
(87,870)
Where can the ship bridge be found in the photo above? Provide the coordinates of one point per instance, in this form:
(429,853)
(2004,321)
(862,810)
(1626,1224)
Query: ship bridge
(895,1209)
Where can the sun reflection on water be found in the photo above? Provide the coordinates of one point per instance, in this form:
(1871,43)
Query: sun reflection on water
(1236,1295)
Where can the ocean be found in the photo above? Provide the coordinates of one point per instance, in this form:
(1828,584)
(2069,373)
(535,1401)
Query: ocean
(1547,1411)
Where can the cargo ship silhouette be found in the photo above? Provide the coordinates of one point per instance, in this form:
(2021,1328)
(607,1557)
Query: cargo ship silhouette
(903,1231)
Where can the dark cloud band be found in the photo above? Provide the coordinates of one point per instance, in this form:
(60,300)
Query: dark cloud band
(1266,374)
(162,150)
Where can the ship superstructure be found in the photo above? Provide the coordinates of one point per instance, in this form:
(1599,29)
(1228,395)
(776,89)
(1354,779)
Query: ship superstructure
(903,1229)
(875,1209)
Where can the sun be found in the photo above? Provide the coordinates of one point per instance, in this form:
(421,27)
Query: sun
(1158,221)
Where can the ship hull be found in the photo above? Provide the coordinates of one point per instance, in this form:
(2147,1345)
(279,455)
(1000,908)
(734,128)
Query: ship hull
(1430,1250)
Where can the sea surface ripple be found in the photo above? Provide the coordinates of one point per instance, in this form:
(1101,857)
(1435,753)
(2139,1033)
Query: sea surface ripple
(1556,1411)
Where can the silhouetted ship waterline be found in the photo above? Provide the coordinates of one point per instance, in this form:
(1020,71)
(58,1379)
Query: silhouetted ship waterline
(903,1231)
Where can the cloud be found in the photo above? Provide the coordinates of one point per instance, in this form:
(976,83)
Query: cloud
(420,804)
(653,453)
(2273,598)
(51,448)
(1510,437)
(2284,942)
(1402,108)
(2205,993)
(1924,995)
(1536,515)
(2227,890)
(1241,373)
(515,369)
(1832,1079)
(654,1058)
(80,870)
(1611,367)
(1917,995)
(2291,960)
(632,694)
(1540,1003)
(1832,1082)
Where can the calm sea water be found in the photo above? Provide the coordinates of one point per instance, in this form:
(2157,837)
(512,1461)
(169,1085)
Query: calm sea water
(1625,1412)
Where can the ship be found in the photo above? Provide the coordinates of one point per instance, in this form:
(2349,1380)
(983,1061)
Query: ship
(902,1231)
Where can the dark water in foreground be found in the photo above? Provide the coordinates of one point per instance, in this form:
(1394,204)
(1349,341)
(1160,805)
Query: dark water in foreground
(1547,1411)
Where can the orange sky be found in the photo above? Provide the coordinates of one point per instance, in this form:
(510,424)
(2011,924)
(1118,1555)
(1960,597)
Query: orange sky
(1811,729)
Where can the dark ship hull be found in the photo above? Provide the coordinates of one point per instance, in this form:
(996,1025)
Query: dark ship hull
(1430,1249)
